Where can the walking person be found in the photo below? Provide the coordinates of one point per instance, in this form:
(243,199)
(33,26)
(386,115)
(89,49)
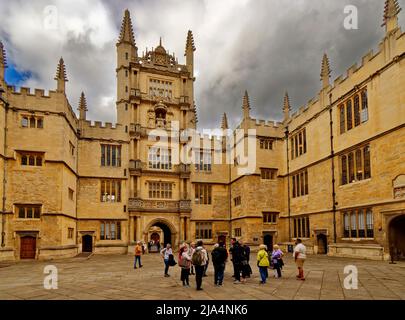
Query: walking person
(299,257)
(138,253)
(199,260)
(263,263)
(276,257)
(191,252)
(165,253)
(219,257)
(185,264)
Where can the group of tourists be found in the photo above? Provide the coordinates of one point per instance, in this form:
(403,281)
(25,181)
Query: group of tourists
(193,259)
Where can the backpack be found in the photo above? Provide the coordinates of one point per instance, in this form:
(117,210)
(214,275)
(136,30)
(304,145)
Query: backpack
(197,258)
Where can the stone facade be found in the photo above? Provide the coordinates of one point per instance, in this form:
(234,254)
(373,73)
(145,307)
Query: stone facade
(100,187)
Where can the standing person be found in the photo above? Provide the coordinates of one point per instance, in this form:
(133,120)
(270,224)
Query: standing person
(185,264)
(219,257)
(138,253)
(199,260)
(263,262)
(249,269)
(166,252)
(192,249)
(276,256)
(299,257)
(143,247)
(206,266)
(239,261)
(231,252)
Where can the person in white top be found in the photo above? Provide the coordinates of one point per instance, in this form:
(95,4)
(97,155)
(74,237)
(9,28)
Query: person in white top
(299,257)
(165,253)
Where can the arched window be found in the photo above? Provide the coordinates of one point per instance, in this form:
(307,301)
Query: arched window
(31,161)
(24,160)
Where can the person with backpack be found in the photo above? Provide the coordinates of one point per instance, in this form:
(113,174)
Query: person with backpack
(165,253)
(263,262)
(199,260)
(138,253)
(219,256)
(185,264)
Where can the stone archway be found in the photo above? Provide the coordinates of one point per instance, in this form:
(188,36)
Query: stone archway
(396,236)
(169,231)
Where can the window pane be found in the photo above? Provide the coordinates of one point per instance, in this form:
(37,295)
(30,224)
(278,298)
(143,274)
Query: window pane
(342,119)
(356,110)
(29,213)
(349,114)
(359,166)
(344,170)
(364,106)
(31,160)
(21,212)
(351,167)
(36,213)
(367,164)
(32,122)
(370,224)
(40,123)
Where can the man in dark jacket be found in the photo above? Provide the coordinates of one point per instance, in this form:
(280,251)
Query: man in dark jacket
(239,261)
(219,257)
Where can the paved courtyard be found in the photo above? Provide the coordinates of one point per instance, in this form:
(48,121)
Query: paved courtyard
(112,277)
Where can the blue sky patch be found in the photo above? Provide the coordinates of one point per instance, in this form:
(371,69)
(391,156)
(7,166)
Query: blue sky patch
(16,77)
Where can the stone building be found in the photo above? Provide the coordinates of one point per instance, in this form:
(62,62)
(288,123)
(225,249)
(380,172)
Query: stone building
(332,173)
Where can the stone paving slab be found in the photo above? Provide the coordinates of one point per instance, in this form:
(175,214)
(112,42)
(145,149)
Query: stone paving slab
(113,277)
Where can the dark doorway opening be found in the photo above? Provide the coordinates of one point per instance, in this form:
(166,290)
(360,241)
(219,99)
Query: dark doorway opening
(167,234)
(268,241)
(87,243)
(28,247)
(322,243)
(397,238)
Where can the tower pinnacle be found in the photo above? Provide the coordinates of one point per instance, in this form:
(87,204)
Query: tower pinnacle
(325,71)
(127,32)
(391,11)
(246,106)
(82,107)
(286,107)
(61,77)
(3,62)
(224,123)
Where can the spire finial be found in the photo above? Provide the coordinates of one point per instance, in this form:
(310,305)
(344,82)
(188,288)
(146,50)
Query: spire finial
(160,41)
(3,60)
(190,42)
(391,10)
(246,106)
(325,71)
(224,123)
(82,107)
(127,32)
(61,71)
(286,106)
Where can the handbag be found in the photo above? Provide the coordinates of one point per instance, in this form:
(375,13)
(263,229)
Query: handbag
(172,262)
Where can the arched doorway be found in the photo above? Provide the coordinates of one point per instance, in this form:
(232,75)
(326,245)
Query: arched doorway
(87,243)
(322,242)
(167,234)
(155,237)
(397,237)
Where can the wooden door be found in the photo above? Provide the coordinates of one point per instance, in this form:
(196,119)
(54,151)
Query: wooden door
(28,247)
(87,243)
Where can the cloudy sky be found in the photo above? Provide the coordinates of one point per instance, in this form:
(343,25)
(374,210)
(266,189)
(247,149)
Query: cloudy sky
(264,46)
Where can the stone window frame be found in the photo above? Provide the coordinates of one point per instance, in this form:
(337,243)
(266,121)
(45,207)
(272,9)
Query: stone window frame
(353,112)
(160,189)
(24,210)
(31,121)
(110,155)
(358,223)
(70,233)
(31,159)
(300,185)
(237,232)
(301,227)
(160,158)
(355,165)
(110,228)
(266,143)
(114,187)
(268,173)
(203,230)
(237,201)
(203,191)
(298,143)
(270,217)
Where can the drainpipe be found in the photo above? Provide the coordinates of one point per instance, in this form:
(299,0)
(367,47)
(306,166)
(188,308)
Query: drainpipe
(332,155)
(288,187)
(3,213)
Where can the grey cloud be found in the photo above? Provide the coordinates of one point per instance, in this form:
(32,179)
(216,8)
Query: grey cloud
(263,46)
